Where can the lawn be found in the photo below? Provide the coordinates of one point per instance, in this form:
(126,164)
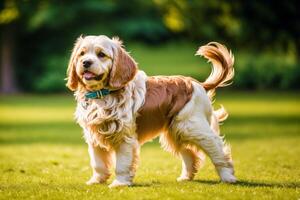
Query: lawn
(43,155)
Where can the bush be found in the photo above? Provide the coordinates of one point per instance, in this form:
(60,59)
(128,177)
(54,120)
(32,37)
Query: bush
(252,70)
(266,71)
(52,80)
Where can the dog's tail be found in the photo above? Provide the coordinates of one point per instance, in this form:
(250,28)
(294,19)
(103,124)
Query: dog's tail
(221,114)
(222,66)
(217,117)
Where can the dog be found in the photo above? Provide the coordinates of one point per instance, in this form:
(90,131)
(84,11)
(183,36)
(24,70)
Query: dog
(120,108)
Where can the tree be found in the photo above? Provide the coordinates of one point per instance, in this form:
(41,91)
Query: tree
(7,17)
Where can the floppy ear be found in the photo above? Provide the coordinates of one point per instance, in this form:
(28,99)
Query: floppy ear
(124,67)
(72,78)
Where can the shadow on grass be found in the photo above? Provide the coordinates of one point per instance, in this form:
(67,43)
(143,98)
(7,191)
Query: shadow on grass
(241,183)
(245,183)
(145,184)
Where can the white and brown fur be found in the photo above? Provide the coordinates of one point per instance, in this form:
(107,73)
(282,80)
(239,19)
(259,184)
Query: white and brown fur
(177,109)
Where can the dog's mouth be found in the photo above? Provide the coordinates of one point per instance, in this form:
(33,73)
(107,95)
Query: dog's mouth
(87,75)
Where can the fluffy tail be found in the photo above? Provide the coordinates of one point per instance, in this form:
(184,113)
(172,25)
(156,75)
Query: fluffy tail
(222,66)
(221,114)
(217,117)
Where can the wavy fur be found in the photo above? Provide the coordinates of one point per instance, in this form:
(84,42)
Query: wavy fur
(178,109)
(222,66)
(109,120)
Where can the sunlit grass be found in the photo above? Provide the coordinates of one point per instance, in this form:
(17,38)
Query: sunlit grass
(24,109)
(260,104)
(43,155)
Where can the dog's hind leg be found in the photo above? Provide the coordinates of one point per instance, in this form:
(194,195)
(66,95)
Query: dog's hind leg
(192,159)
(197,131)
(213,145)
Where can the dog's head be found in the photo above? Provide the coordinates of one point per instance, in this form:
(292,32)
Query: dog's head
(99,62)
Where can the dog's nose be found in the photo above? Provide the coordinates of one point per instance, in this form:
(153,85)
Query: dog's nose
(87,63)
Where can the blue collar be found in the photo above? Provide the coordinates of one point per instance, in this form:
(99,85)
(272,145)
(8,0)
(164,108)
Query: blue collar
(98,94)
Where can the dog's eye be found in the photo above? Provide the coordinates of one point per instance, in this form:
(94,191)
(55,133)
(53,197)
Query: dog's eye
(82,53)
(101,55)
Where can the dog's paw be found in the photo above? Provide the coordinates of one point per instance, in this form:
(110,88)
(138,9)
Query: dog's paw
(227,176)
(95,180)
(117,183)
(183,178)
(229,179)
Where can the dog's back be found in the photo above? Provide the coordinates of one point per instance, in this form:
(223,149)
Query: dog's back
(165,97)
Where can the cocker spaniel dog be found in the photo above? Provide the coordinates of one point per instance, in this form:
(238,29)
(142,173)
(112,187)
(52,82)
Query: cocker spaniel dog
(120,108)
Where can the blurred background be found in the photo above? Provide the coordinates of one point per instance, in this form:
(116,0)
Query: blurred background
(162,35)
(42,152)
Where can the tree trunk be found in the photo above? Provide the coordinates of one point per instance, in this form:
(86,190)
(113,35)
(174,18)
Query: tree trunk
(8,80)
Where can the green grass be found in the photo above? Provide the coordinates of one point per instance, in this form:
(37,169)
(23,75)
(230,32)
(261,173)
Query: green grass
(43,155)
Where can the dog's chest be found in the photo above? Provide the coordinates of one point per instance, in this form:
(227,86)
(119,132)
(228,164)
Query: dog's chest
(105,123)
(87,110)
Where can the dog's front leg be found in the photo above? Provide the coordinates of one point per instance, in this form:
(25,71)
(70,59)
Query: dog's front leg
(127,156)
(101,161)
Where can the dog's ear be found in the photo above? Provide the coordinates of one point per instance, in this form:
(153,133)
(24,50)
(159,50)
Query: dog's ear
(72,78)
(124,67)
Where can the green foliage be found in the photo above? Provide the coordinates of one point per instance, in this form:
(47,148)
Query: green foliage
(266,71)
(46,30)
(43,155)
(252,71)
(52,80)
